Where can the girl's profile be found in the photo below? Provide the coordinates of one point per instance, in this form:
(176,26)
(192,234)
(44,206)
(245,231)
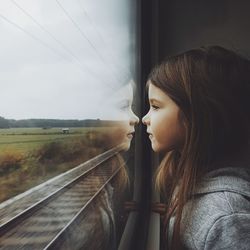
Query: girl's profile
(199,120)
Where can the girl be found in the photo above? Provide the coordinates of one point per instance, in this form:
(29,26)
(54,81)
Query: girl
(199,118)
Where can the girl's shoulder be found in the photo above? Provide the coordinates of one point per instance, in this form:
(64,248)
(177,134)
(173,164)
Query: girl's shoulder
(227,189)
(219,212)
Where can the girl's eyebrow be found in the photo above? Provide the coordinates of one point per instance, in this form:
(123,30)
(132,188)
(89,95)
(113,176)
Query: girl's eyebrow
(154,100)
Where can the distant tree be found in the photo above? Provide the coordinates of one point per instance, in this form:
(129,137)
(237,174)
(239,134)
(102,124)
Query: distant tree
(4,123)
(53,123)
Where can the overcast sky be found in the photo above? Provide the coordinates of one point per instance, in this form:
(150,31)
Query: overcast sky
(63,58)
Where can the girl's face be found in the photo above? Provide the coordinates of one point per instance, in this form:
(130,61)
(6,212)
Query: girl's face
(165,125)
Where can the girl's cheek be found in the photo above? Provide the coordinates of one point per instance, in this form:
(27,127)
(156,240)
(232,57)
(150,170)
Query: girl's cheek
(152,117)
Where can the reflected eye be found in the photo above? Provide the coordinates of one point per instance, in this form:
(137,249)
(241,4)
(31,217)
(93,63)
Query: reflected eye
(124,106)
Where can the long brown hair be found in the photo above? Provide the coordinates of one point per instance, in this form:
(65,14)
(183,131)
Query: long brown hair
(211,86)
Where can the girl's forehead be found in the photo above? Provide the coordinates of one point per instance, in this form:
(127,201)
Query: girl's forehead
(156,93)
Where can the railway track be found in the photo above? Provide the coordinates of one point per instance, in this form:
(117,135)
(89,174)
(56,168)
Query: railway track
(43,224)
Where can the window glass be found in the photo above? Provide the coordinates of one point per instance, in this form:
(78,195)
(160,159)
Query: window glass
(67,75)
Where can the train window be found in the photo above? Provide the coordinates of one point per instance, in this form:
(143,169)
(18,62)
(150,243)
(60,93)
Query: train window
(67,122)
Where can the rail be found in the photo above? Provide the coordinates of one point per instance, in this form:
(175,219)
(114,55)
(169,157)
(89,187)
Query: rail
(43,224)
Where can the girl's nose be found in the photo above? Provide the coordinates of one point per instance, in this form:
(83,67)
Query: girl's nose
(145,120)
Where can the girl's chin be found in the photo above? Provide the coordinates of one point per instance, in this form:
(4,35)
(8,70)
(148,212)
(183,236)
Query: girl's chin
(156,148)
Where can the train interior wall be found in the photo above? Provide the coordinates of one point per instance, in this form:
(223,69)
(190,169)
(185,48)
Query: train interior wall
(188,24)
(174,26)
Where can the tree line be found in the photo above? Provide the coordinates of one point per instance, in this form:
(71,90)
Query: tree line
(52,123)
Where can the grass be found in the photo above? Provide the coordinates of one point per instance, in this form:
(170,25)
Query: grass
(29,156)
(27,131)
(24,140)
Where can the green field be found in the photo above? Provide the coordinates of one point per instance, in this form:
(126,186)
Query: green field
(29,156)
(25,140)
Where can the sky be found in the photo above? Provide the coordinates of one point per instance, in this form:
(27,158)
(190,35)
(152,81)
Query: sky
(64,59)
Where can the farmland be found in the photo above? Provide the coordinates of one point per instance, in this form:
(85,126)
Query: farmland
(29,156)
(25,140)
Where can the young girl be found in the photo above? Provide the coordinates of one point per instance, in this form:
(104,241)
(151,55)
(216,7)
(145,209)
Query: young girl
(199,118)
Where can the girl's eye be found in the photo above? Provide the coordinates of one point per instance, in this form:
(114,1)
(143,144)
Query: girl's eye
(154,107)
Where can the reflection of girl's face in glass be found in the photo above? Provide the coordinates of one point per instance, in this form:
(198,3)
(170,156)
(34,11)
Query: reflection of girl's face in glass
(128,118)
(119,108)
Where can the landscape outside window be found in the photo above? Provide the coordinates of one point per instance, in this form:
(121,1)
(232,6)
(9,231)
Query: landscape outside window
(64,65)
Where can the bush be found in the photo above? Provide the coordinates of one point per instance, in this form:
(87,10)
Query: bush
(10,161)
(58,152)
(49,152)
(104,140)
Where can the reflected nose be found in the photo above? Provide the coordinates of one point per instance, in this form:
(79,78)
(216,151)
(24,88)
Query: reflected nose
(133,119)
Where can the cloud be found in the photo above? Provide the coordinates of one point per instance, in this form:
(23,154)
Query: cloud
(43,78)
